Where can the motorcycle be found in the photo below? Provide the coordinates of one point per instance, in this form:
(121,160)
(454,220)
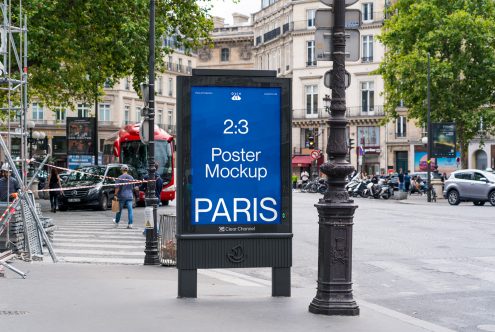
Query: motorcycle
(379,190)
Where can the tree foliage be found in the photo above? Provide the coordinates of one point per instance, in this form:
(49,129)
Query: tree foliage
(76,45)
(460,37)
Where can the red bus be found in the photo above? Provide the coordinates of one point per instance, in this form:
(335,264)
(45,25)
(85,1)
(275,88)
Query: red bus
(125,147)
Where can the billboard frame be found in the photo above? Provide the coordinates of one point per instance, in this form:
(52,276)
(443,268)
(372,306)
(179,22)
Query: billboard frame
(267,245)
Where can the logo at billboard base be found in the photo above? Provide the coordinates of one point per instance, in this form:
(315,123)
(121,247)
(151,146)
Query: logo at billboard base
(236,254)
(236,96)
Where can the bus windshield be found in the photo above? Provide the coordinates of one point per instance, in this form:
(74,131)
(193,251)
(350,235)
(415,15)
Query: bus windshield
(134,153)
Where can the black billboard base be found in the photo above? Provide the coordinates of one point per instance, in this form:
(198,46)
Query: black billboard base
(281,281)
(188,282)
(334,290)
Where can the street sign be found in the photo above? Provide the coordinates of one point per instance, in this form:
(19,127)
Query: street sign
(327,79)
(315,154)
(144,131)
(347,2)
(324,19)
(323,45)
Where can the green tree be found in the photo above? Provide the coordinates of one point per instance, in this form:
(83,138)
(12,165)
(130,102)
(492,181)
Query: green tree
(76,45)
(460,36)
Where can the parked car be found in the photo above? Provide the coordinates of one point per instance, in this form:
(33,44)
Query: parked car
(470,185)
(64,176)
(102,192)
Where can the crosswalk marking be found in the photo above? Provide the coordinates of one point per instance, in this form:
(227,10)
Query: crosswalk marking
(91,240)
(97,245)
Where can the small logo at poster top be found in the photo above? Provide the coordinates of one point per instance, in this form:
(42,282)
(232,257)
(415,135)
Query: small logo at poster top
(236,96)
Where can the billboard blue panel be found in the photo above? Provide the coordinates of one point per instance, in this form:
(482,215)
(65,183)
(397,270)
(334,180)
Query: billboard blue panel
(235,174)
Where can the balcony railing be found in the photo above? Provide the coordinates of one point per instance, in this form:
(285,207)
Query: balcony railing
(178,68)
(108,124)
(270,35)
(287,27)
(367,59)
(361,111)
(352,112)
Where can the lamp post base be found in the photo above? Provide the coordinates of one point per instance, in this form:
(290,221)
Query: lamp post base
(151,250)
(334,290)
(324,305)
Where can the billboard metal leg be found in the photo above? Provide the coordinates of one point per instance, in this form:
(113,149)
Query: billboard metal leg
(188,283)
(281,281)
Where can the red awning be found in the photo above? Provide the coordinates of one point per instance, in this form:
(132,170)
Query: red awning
(302,160)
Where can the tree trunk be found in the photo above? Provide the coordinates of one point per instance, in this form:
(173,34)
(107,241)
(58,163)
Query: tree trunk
(463,147)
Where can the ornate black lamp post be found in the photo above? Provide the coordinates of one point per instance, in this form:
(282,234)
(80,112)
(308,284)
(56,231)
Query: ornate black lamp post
(151,250)
(335,209)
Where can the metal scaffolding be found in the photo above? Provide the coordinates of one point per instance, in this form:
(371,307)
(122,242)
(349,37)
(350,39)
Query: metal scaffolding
(13,75)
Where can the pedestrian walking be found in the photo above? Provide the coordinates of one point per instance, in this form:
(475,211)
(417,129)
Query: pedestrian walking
(55,184)
(407,181)
(401,180)
(125,195)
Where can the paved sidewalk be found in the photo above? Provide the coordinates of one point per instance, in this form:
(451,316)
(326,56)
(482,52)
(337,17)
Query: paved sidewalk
(78,297)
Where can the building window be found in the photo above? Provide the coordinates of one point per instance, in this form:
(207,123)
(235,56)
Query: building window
(401,126)
(367,97)
(367,48)
(310,14)
(107,84)
(310,46)
(37,109)
(170,62)
(189,66)
(160,117)
(158,85)
(368,136)
(311,100)
(367,11)
(127,112)
(225,54)
(60,114)
(127,83)
(311,138)
(170,117)
(138,114)
(82,110)
(170,87)
(104,112)
(180,66)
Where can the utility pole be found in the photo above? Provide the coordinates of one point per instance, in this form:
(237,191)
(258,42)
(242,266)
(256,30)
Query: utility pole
(428,157)
(335,209)
(151,250)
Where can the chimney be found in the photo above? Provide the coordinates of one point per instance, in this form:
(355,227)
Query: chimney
(218,22)
(240,19)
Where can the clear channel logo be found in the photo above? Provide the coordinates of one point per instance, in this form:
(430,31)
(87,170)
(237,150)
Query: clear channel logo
(236,96)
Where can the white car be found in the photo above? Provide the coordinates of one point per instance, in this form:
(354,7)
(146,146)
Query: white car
(470,185)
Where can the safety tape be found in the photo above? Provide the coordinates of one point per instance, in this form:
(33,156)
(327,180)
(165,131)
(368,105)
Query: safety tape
(7,210)
(78,171)
(89,187)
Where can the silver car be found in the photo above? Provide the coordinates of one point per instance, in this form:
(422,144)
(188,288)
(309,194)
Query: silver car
(470,185)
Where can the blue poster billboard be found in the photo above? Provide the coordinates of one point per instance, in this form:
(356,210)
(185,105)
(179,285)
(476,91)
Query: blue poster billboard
(235,174)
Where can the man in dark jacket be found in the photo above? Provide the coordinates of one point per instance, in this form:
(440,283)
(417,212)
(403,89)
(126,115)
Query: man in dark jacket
(8,185)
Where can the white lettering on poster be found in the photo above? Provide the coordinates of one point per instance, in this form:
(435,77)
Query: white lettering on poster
(253,209)
(242,170)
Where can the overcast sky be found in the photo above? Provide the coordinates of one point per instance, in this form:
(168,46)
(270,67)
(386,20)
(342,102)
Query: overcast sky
(225,8)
